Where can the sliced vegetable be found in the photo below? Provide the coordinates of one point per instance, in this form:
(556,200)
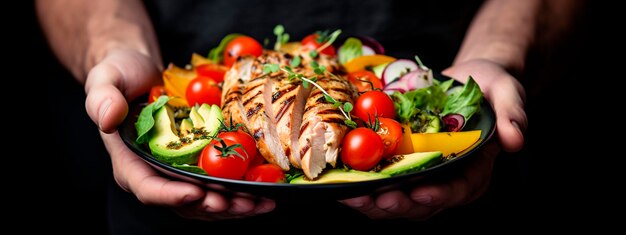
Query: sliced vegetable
(339,176)
(414,162)
(446,142)
(397,69)
(453,122)
(366,62)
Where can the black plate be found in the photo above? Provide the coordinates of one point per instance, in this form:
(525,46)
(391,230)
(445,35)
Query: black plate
(484,120)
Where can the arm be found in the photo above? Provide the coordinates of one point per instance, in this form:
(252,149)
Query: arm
(110,47)
(495,47)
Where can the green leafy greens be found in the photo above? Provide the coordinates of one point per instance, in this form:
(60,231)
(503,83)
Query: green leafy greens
(145,121)
(350,49)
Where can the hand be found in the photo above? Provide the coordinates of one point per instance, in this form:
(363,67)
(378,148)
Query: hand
(506,95)
(123,75)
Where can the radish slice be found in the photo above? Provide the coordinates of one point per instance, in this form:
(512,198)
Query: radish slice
(372,43)
(399,86)
(453,122)
(418,79)
(366,50)
(397,69)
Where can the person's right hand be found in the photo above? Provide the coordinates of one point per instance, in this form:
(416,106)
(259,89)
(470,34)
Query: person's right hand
(123,75)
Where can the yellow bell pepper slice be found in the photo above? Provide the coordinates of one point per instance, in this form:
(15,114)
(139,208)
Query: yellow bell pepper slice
(366,61)
(175,80)
(446,142)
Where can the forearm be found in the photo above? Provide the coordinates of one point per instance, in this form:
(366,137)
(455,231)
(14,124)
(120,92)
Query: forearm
(502,32)
(81,33)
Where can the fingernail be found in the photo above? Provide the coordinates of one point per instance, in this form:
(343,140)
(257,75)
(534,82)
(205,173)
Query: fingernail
(187,199)
(104,108)
(423,199)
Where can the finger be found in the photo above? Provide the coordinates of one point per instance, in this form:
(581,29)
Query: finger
(120,76)
(105,104)
(512,120)
(367,206)
(264,206)
(136,176)
(395,202)
(214,202)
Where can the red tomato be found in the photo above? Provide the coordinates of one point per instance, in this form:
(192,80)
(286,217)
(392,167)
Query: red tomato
(358,78)
(203,90)
(310,42)
(243,138)
(214,71)
(362,149)
(372,104)
(266,173)
(241,46)
(230,166)
(155,92)
(390,131)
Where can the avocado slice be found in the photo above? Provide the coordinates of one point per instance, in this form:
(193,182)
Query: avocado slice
(339,176)
(402,164)
(183,146)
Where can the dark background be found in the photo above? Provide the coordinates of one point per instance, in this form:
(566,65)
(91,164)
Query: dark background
(530,188)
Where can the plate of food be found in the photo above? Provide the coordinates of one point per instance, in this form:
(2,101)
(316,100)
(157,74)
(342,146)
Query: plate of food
(306,120)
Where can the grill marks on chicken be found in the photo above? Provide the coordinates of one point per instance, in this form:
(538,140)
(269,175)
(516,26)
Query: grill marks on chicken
(323,127)
(288,98)
(292,125)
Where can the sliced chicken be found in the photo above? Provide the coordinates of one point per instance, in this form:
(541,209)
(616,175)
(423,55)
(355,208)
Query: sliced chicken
(288,99)
(234,79)
(323,125)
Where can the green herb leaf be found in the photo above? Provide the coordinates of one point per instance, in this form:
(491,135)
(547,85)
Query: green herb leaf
(217,54)
(305,84)
(347,107)
(296,61)
(270,68)
(329,99)
(350,49)
(145,121)
(350,123)
(313,54)
(281,36)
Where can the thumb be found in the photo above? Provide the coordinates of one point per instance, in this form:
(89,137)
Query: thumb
(120,76)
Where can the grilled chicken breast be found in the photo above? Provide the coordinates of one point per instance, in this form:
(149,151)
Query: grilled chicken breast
(292,125)
(323,127)
(234,79)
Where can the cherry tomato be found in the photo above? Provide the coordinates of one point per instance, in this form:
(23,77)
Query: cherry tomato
(364,80)
(310,42)
(155,92)
(203,90)
(373,104)
(266,173)
(362,149)
(243,138)
(216,164)
(390,131)
(214,71)
(241,46)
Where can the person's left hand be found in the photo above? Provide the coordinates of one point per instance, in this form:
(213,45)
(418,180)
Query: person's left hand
(506,95)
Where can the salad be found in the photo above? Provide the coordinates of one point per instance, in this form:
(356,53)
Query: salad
(306,112)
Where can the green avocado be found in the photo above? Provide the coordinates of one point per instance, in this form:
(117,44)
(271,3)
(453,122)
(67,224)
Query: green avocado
(183,145)
(402,164)
(339,176)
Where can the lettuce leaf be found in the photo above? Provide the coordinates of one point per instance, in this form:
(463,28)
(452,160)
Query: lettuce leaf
(350,49)
(466,102)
